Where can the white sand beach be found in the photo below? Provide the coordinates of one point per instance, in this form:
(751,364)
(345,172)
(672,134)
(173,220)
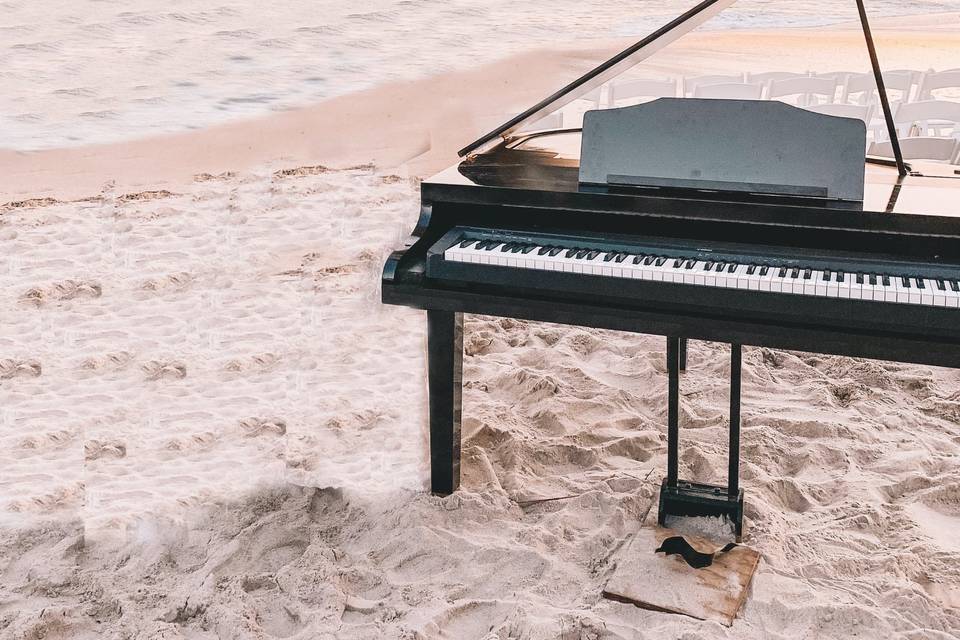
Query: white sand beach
(211,428)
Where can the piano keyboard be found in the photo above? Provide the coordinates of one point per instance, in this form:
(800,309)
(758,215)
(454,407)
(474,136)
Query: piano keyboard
(809,280)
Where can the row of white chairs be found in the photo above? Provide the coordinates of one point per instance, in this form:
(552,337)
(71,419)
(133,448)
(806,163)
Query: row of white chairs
(927,148)
(804,89)
(913,117)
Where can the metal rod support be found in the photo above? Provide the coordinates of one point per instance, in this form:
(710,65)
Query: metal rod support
(673,410)
(733,470)
(881,89)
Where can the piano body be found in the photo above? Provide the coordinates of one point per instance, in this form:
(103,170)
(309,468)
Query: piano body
(745,222)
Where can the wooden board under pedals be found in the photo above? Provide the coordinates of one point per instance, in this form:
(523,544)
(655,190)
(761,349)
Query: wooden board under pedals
(667,583)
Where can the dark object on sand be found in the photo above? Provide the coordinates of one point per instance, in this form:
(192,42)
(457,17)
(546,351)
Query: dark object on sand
(678,545)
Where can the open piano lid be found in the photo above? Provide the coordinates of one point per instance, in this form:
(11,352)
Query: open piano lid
(651,44)
(613,67)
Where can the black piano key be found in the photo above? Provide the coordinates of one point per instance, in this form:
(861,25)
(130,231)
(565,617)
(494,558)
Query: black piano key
(660,261)
(542,251)
(555,250)
(637,259)
(517,248)
(708,266)
(582,253)
(795,273)
(570,253)
(528,248)
(508,247)
(466,243)
(593,255)
(689,264)
(826,276)
(919,282)
(807,274)
(840,276)
(941,285)
(649,260)
(732,267)
(764,270)
(609,256)
(751,269)
(885,280)
(620,257)
(721,266)
(677,263)
(872,279)
(905,281)
(955,285)
(782,273)
(859,278)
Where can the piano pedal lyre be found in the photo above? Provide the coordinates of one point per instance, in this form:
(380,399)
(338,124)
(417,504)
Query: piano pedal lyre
(687,498)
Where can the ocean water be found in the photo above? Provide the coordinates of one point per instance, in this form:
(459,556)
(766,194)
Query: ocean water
(76,72)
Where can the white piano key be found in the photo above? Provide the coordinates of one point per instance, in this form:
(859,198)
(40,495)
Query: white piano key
(809,285)
(953,297)
(890,290)
(939,297)
(820,285)
(927,294)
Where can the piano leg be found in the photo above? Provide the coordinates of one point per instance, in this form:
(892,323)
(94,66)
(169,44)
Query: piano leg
(445,375)
(733,462)
(683,354)
(673,410)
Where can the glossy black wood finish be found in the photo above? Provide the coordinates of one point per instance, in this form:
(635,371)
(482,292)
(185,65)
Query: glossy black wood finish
(733,467)
(445,374)
(914,348)
(673,411)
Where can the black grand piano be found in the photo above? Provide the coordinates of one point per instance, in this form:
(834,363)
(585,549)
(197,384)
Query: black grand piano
(745,222)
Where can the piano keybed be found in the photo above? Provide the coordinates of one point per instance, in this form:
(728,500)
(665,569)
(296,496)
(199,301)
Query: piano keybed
(810,277)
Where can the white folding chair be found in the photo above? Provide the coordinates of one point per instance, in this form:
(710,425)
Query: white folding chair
(593,98)
(730,91)
(690,84)
(920,118)
(636,91)
(768,76)
(804,91)
(552,121)
(855,111)
(861,88)
(839,76)
(932,81)
(935,149)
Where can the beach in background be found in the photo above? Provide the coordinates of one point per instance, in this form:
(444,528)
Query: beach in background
(99,71)
(210,427)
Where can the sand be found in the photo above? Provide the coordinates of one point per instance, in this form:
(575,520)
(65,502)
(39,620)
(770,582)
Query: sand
(211,428)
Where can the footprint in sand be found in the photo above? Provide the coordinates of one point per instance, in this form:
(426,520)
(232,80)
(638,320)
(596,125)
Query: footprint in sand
(96,449)
(159,369)
(253,427)
(10,368)
(62,291)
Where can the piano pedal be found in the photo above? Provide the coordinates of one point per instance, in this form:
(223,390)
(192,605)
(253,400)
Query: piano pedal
(693,499)
(686,498)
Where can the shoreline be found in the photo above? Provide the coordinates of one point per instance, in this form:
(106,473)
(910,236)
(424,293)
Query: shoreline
(417,126)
